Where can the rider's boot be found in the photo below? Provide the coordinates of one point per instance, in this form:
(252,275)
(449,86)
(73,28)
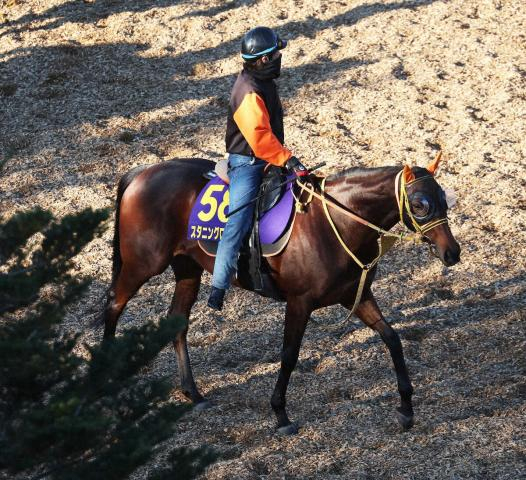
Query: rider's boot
(215,300)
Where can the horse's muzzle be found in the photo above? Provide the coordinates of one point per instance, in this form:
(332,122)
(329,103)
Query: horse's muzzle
(451,256)
(445,245)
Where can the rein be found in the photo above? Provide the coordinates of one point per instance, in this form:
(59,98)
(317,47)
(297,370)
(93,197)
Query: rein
(387,239)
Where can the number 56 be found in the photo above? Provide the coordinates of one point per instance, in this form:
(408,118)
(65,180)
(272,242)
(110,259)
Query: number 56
(209,199)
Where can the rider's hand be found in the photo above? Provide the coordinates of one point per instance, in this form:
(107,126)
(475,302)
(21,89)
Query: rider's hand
(295,166)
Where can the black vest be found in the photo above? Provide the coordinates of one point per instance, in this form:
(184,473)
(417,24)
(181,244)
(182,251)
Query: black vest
(267,90)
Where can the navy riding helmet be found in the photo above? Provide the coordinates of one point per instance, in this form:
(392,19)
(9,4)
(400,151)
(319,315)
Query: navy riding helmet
(260,41)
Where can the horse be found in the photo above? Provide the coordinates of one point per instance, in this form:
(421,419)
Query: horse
(317,268)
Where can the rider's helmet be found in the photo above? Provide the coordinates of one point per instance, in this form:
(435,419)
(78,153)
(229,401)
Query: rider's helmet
(260,41)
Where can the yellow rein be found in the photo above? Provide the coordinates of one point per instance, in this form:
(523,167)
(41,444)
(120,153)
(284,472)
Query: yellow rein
(386,239)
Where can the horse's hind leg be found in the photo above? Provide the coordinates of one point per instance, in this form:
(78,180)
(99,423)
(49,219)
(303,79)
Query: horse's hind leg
(124,287)
(188,279)
(369,312)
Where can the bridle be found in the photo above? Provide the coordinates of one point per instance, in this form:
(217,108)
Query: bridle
(402,198)
(386,239)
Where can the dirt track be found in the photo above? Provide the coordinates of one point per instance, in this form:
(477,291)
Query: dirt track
(90,89)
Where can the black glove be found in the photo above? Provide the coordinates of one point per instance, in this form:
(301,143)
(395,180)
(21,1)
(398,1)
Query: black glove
(295,166)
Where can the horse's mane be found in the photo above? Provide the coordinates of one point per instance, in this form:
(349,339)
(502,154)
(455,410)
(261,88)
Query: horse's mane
(359,171)
(363,171)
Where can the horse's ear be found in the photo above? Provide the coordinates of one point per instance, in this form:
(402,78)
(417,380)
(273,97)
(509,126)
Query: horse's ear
(433,166)
(408,174)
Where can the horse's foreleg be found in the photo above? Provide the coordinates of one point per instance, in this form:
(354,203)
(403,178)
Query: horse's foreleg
(296,317)
(369,312)
(188,279)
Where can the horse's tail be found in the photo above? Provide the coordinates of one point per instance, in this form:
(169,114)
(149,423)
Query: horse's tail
(109,293)
(124,183)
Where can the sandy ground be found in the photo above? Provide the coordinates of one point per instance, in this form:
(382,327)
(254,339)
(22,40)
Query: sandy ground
(90,89)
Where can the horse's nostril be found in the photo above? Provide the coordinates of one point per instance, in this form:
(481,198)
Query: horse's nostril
(452,257)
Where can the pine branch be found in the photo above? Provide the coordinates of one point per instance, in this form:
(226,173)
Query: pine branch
(64,416)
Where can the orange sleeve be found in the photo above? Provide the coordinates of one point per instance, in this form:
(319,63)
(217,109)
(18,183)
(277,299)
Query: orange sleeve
(253,121)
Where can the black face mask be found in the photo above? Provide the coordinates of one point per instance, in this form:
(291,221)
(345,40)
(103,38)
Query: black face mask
(269,70)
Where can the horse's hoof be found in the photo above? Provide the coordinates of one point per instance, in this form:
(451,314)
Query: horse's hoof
(203,405)
(406,422)
(290,429)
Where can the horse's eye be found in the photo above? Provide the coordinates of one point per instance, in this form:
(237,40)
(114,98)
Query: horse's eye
(420,206)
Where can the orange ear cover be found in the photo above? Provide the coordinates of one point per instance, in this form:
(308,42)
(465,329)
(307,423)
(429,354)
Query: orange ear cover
(408,174)
(433,166)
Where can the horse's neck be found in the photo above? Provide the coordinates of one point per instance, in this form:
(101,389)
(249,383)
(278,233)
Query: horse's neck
(369,194)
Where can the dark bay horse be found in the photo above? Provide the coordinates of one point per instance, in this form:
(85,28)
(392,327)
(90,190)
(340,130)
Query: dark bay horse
(313,271)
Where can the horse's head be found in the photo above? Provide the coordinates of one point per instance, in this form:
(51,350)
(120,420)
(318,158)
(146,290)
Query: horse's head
(423,209)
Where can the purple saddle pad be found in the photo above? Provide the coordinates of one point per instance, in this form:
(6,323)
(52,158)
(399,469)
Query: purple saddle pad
(208,217)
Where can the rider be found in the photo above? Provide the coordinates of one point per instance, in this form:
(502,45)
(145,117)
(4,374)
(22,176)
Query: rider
(254,138)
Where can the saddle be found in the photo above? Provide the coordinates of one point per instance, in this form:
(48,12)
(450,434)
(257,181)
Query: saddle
(271,190)
(272,225)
